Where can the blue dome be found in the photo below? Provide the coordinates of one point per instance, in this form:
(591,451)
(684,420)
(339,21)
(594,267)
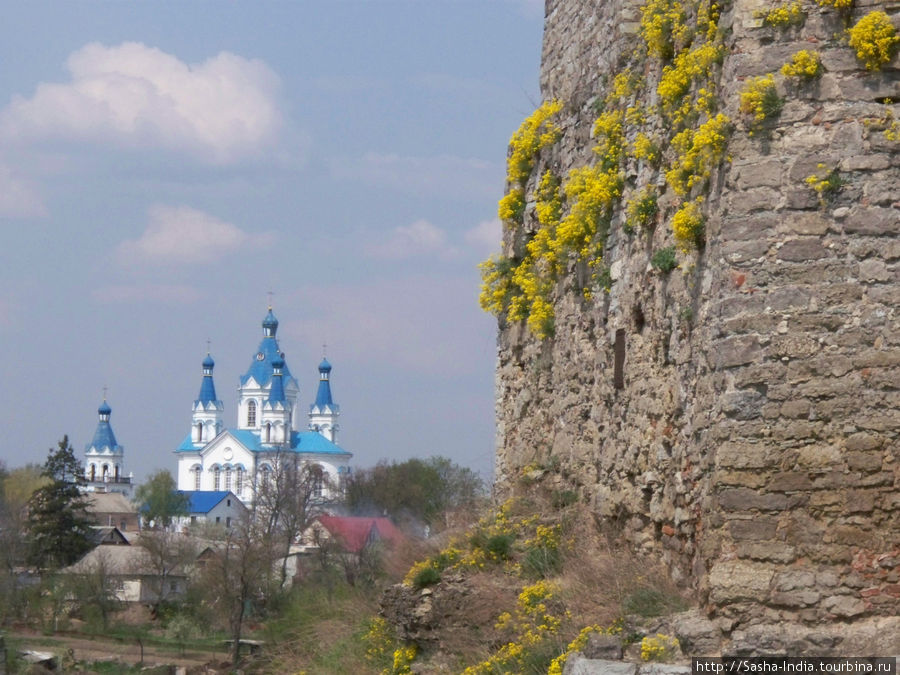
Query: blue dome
(324,367)
(104,408)
(208,362)
(270,324)
(278,362)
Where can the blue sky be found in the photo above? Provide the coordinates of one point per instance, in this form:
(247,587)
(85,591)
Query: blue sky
(164,165)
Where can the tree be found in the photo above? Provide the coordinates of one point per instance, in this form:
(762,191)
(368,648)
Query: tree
(58,527)
(235,572)
(417,490)
(286,502)
(160,502)
(166,553)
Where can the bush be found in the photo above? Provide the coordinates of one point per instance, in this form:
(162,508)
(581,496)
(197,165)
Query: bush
(650,602)
(805,65)
(760,99)
(875,40)
(664,259)
(500,545)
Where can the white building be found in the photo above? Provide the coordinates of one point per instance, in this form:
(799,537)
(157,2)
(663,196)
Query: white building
(215,458)
(104,459)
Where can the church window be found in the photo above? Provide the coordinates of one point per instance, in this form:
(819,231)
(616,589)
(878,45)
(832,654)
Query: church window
(251,414)
(105,471)
(199,431)
(197,478)
(117,473)
(318,481)
(217,472)
(227,477)
(239,482)
(93,472)
(268,433)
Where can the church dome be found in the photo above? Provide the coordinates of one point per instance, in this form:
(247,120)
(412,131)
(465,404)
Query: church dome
(270,324)
(104,408)
(208,362)
(324,367)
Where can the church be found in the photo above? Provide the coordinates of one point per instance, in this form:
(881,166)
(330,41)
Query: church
(266,436)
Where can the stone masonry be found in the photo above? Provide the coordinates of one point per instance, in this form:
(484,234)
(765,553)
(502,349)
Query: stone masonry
(755,444)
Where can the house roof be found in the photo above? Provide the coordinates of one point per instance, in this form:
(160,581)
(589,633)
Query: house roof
(354,532)
(204,501)
(109,502)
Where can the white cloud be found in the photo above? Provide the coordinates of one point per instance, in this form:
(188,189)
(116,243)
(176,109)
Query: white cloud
(441,175)
(18,199)
(486,235)
(426,323)
(410,241)
(137,96)
(181,234)
(166,294)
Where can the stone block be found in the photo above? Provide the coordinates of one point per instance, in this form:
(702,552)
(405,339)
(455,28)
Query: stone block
(735,580)
(745,499)
(795,598)
(603,647)
(756,529)
(770,552)
(864,461)
(577,664)
(790,481)
(843,606)
(793,346)
(874,270)
(735,351)
(872,221)
(742,455)
(801,250)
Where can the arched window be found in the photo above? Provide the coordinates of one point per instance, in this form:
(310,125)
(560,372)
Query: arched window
(239,481)
(105,471)
(197,472)
(217,474)
(317,474)
(93,471)
(227,477)
(268,432)
(199,431)
(251,413)
(117,473)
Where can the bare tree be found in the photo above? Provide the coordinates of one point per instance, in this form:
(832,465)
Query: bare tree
(237,572)
(287,499)
(97,587)
(166,553)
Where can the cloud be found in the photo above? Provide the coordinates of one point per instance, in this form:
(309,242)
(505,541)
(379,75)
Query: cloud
(18,199)
(441,175)
(184,235)
(486,235)
(132,95)
(166,294)
(421,238)
(426,323)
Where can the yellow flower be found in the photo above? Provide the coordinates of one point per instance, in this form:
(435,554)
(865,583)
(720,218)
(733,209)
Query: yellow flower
(875,39)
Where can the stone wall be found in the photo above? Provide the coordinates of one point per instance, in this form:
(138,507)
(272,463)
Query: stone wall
(755,444)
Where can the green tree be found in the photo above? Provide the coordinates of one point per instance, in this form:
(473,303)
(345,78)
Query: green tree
(57,523)
(159,500)
(417,490)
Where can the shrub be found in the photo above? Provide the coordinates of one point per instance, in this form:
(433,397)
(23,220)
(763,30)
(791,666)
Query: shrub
(511,206)
(760,99)
(805,65)
(875,40)
(650,602)
(659,648)
(427,576)
(840,5)
(687,224)
(641,210)
(826,182)
(500,545)
(664,259)
(784,15)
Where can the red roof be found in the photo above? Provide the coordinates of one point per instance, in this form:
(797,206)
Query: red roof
(355,532)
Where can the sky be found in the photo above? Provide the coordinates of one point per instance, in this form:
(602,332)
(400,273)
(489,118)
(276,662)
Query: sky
(164,166)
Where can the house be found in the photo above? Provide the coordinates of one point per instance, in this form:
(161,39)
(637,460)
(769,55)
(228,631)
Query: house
(112,509)
(209,506)
(107,536)
(352,533)
(130,570)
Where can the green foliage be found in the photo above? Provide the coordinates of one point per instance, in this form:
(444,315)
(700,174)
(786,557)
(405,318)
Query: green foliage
(499,546)
(560,499)
(641,210)
(427,576)
(58,527)
(416,490)
(760,99)
(664,259)
(650,602)
(826,182)
(159,500)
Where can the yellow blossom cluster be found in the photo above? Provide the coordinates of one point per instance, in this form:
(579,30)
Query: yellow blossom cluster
(697,153)
(687,224)
(694,65)
(662,25)
(580,642)
(841,5)
(641,209)
(826,182)
(804,65)
(875,39)
(644,148)
(759,98)
(789,14)
(537,131)
(661,647)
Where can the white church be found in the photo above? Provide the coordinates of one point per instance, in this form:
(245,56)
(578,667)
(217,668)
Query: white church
(215,458)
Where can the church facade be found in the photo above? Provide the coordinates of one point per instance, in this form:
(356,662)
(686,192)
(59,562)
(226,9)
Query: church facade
(104,459)
(267,437)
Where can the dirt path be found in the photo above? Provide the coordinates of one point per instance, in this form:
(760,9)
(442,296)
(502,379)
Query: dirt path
(100,649)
